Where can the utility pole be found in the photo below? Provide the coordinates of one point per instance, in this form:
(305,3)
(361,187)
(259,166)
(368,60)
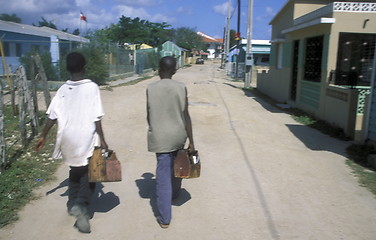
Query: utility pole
(237,36)
(249,55)
(223,48)
(227,35)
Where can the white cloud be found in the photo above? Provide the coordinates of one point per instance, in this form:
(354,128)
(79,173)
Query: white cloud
(269,11)
(143,3)
(162,18)
(83,3)
(266,16)
(185,10)
(180,10)
(132,12)
(143,14)
(37,7)
(222,8)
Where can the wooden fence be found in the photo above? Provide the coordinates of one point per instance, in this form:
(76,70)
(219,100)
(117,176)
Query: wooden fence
(23,105)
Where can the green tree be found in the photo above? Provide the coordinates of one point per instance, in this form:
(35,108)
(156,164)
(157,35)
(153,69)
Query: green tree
(101,36)
(46,23)
(76,32)
(49,68)
(187,38)
(96,68)
(158,33)
(10,18)
(137,30)
(233,42)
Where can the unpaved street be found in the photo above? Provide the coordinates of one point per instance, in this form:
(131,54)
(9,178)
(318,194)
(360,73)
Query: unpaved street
(264,176)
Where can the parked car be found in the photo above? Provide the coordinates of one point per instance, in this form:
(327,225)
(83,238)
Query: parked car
(199,61)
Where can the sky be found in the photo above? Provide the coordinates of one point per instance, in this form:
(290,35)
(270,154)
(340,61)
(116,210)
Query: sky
(207,16)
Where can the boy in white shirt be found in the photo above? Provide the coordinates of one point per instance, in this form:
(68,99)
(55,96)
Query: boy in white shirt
(77,108)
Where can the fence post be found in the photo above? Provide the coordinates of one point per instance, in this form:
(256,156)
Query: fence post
(42,74)
(34,82)
(34,101)
(2,139)
(13,95)
(28,100)
(21,108)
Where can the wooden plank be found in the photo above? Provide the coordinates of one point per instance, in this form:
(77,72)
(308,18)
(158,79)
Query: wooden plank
(29,101)
(21,108)
(43,76)
(13,96)
(2,139)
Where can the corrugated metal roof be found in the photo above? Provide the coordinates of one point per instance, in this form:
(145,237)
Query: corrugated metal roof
(39,31)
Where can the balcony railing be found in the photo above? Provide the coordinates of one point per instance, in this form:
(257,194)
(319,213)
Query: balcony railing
(328,10)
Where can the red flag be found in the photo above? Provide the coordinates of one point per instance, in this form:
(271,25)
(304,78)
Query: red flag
(82,17)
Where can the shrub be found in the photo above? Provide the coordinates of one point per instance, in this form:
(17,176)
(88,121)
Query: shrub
(49,68)
(96,68)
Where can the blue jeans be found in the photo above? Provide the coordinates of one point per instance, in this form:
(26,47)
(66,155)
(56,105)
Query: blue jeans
(168,187)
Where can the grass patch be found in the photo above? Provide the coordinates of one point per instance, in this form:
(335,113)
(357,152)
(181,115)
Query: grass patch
(320,125)
(25,170)
(133,82)
(356,153)
(359,153)
(357,160)
(304,118)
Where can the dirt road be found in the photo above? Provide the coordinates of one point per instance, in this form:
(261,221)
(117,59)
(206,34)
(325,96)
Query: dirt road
(264,176)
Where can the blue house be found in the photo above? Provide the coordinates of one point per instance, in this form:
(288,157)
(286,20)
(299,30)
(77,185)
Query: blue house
(171,49)
(19,39)
(260,51)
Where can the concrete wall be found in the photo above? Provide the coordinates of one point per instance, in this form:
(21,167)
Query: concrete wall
(340,108)
(274,84)
(330,103)
(302,8)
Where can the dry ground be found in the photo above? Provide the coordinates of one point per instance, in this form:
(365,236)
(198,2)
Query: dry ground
(264,176)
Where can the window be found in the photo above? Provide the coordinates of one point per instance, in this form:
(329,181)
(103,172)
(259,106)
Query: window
(6,49)
(265,59)
(279,55)
(354,59)
(313,59)
(12,49)
(18,49)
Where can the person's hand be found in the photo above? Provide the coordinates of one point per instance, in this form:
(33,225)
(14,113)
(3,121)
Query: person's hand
(40,143)
(104,145)
(191,148)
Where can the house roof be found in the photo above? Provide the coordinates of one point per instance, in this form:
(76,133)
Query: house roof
(134,46)
(39,31)
(258,46)
(174,44)
(312,1)
(207,38)
(255,42)
(279,12)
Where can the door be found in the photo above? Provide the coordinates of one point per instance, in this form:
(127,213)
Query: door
(294,74)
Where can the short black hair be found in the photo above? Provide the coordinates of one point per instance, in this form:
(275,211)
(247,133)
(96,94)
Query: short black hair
(75,62)
(167,64)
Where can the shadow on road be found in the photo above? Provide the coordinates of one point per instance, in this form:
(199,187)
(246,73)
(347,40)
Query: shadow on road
(312,139)
(61,185)
(101,201)
(147,190)
(274,233)
(258,97)
(317,141)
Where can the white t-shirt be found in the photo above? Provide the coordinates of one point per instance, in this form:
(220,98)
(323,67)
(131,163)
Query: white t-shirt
(77,106)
